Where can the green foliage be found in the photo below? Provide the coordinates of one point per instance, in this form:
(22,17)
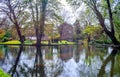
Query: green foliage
(3,74)
(103,39)
(65,42)
(58,18)
(75,3)
(6,36)
(104,7)
(28,42)
(91,30)
(116,17)
(95,31)
(117,64)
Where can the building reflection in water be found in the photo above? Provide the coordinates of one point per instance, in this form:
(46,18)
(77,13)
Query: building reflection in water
(66,52)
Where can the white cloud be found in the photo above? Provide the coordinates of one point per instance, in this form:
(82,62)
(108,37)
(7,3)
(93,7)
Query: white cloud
(69,14)
(80,10)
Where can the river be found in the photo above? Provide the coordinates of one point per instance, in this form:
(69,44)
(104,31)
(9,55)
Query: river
(60,61)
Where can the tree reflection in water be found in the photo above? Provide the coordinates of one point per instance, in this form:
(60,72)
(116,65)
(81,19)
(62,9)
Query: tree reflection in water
(53,64)
(111,58)
(38,64)
(60,61)
(13,69)
(37,71)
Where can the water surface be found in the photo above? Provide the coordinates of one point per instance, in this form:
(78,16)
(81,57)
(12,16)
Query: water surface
(60,61)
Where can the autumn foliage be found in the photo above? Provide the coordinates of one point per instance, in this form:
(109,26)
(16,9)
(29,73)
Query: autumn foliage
(92,30)
(2,33)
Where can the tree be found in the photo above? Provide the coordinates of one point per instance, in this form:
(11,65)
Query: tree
(92,31)
(42,18)
(38,17)
(13,10)
(40,13)
(93,4)
(84,16)
(103,12)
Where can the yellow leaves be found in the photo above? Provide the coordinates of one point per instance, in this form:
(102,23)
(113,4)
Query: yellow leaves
(48,29)
(57,35)
(50,32)
(65,42)
(2,33)
(85,41)
(91,30)
(54,36)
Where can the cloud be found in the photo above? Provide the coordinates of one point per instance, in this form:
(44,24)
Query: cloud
(67,12)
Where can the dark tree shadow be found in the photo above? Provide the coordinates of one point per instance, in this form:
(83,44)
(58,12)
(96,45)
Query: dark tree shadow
(12,71)
(110,58)
(38,70)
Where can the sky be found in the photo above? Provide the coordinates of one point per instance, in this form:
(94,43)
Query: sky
(0,0)
(69,14)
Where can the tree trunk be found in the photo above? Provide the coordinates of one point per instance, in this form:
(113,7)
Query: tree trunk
(111,33)
(42,20)
(113,38)
(19,32)
(89,38)
(37,27)
(41,26)
(17,27)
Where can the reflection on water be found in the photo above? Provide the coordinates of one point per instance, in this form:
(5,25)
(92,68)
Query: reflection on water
(13,68)
(60,61)
(66,52)
(110,58)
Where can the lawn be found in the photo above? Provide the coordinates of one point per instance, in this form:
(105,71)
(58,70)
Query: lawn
(33,42)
